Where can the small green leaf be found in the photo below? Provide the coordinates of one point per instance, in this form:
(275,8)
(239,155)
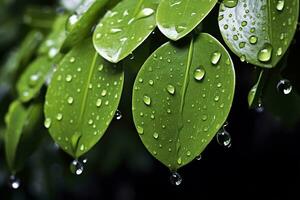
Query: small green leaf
(255,94)
(82,98)
(124,28)
(259,31)
(39,17)
(181,98)
(32,80)
(177,18)
(79,25)
(21,133)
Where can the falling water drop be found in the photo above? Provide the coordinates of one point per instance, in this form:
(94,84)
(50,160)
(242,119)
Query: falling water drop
(14,182)
(224,138)
(284,86)
(76,167)
(118,115)
(175,178)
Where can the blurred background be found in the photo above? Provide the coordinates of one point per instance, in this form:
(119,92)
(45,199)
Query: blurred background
(262,162)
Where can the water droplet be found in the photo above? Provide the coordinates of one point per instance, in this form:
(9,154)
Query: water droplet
(14,182)
(70,100)
(155,135)
(230,3)
(180,28)
(259,108)
(284,86)
(103,93)
(179,161)
(279,51)
(76,167)
(72,59)
(47,122)
(199,157)
(253,39)
(118,115)
(59,116)
(224,138)
(215,58)
(33,79)
(140,130)
(175,178)
(171,89)
(68,78)
(265,54)
(199,73)
(98,102)
(280,5)
(145,12)
(147,100)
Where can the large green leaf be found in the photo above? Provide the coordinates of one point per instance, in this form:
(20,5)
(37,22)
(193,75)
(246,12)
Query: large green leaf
(32,80)
(79,25)
(21,134)
(82,98)
(177,18)
(259,31)
(181,98)
(124,28)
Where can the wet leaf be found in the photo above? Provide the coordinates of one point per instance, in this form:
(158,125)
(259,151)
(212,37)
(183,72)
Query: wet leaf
(177,18)
(82,98)
(181,98)
(255,94)
(79,24)
(21,135)
(124,28)
(259,31)
(32,80)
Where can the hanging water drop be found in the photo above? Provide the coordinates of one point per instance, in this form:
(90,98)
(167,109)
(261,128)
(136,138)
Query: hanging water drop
(14,182)
(175,178)
(284,86)
(76,167)
(265,54)
(118,115)
(224,138)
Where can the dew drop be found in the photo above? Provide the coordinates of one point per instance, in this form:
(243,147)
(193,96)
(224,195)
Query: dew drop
(59,116)
(140,130)
(230,3)
(284,86)
(68,78)
(175,179)
(98,102)
(265,54)
(171,89)
(155,135)
(145,12)
(147,100)
(47,122)
(280,5)
(76,167)
(215,57)
(72,59)
(253,39)
(70,100)
(199,74)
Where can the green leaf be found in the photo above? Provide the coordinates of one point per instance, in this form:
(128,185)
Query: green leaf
(32,80)
(39,17)
(181,98)
(82,98)
(259,31)
(21,136)
(53,42)
(255,94)
(124,28)
(177,18)
(79,25)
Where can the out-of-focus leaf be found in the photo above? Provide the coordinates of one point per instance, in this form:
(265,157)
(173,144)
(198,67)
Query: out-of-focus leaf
(39,17)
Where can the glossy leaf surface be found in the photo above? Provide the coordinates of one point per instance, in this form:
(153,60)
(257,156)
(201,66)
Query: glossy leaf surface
(124,28)
(181,98)
(259,31)
(177,18)
(82,99)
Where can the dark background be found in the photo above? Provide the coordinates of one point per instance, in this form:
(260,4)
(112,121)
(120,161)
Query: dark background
(262,163)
